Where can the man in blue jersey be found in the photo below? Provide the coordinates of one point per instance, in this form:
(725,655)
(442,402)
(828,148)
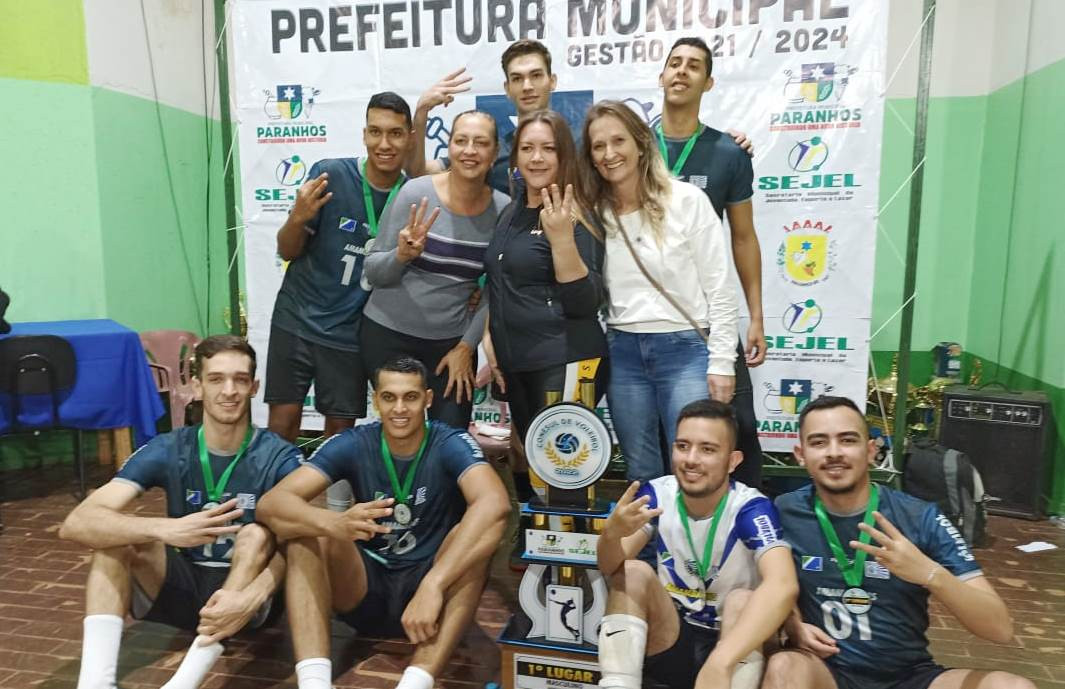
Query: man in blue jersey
(330,230)
(206,566)
(724,579)
(712,161)
(869,557)
(429,513)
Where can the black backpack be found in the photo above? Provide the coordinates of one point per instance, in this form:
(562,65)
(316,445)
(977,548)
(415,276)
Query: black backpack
(947,477)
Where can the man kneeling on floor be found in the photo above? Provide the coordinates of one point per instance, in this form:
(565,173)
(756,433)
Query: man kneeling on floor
(206,566)
(702,618)
(421,569)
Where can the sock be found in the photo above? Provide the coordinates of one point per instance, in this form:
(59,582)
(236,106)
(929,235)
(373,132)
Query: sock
(415,678)
(195,665)
(748,672)
(622,642)
(314,673)
(99,651)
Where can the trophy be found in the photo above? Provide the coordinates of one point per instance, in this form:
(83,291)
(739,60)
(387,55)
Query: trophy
(553,637)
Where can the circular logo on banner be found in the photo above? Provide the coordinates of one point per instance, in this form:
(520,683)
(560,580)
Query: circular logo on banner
(568,446)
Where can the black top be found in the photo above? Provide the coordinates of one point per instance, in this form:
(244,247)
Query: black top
(536,322)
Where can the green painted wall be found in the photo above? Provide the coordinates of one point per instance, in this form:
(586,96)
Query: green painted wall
(991,264)
(52,260)
(152,166)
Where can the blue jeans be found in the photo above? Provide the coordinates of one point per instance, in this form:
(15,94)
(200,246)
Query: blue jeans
(652,377)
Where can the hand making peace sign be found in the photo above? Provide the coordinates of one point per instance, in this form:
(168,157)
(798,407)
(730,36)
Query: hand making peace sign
(412,237)
(629,516)
(557,215)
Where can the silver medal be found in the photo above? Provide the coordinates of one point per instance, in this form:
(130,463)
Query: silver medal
(857,600)
(402,514)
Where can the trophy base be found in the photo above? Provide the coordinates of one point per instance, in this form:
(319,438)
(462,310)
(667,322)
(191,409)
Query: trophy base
(598,509)
(529,663)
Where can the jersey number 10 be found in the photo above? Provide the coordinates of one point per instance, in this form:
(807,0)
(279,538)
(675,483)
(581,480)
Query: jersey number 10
(839,622)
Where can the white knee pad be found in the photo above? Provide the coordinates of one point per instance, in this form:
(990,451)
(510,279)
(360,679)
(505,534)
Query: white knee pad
(622,643)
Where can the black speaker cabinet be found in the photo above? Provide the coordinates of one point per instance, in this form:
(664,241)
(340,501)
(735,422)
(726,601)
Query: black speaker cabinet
(1009,436)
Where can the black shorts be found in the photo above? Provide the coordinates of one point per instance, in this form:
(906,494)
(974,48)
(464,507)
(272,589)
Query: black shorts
(378,344)
(388,591)
(293,362)
(918,677)
(678,665)
(186,589)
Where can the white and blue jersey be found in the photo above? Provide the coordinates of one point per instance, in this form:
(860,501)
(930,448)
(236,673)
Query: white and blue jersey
(437,503)
(889,637)
(749,527)
(172,462)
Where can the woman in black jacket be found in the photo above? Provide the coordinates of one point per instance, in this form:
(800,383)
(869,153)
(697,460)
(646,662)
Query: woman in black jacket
(545,283)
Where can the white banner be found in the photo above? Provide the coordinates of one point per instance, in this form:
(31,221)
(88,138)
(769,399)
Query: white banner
(803,78)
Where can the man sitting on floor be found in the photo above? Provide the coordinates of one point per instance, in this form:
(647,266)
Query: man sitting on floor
(864,589)
(421,569)
(697,620)
(206,566)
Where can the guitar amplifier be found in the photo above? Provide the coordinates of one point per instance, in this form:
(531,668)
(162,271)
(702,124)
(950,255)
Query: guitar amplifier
(1009,436)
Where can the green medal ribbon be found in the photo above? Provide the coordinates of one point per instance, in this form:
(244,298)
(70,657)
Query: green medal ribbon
(214,491)
(853,572)
(702,565)
(367,197)
(685,152)
(402,494)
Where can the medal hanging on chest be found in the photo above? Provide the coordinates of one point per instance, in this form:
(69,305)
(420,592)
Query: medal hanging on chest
(684,153)
(701,564)
(214,490)
(401,511)
(371,216)
(855,598)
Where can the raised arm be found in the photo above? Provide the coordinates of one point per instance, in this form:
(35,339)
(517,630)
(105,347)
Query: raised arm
(440,93)
(574,254)
(99,522)
(286,510)
(625,532)
(976,605)
(403,230)
(292,237)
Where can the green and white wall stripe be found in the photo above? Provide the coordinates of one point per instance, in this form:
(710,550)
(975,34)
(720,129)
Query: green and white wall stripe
(107,212)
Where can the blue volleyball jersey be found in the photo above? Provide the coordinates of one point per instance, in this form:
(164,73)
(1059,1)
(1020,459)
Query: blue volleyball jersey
(749,527)
(717,165)
(437,503)
(322,294)
(172,462)
(889,637)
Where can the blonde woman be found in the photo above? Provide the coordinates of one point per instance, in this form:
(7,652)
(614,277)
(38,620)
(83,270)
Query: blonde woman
(672,320)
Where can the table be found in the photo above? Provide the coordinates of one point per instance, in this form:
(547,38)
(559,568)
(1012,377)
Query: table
(114,387)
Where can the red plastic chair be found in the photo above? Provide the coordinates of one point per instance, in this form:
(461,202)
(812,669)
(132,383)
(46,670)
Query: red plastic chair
(172,350)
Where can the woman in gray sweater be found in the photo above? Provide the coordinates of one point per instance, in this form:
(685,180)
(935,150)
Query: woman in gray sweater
(425,265)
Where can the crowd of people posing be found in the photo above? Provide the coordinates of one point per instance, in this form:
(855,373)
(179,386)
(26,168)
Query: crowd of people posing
(604,251)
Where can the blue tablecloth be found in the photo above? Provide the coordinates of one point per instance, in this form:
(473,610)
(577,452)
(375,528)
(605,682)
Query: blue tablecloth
(114,388)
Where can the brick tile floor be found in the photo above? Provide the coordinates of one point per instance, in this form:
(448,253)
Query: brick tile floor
(42,588)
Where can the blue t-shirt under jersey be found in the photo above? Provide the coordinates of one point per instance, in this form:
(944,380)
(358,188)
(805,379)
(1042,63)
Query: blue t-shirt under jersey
(888,639)
(322,294)
(172,462)
(437,503)
(717,165)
